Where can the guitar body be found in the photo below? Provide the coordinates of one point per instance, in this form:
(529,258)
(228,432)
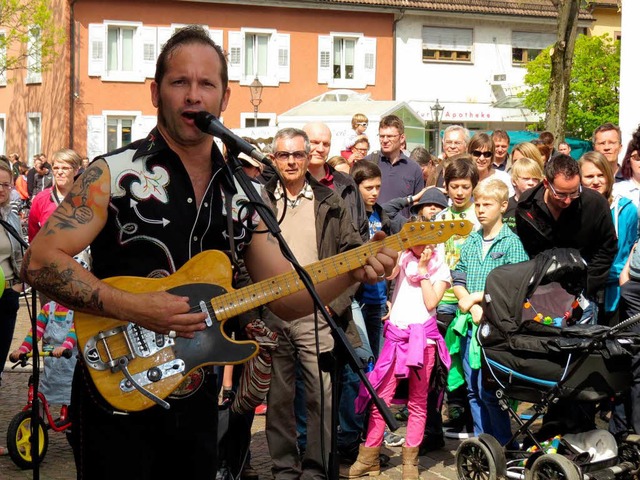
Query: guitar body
(106,343)
(135,368)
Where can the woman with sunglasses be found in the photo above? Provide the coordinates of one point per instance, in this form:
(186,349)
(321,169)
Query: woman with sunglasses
(630,171)
(481,148)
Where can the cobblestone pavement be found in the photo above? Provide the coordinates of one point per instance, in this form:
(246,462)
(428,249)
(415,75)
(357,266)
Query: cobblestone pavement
(58,462)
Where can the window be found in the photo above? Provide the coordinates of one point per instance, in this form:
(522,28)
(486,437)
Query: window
(248,120)
(346,60)
(115,129)
(259,52)
(526,46)
(344,63)
(34,134)
(118,132)
(120,49)
(256,55)
(447,44)
(34,56)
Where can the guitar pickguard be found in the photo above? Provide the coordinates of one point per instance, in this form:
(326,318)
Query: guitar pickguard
(211,345)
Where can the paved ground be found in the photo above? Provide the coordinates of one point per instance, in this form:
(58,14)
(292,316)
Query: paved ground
(58,462)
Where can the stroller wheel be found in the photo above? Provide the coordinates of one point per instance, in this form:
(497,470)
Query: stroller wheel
(474,461)
(19,440)
(553,466)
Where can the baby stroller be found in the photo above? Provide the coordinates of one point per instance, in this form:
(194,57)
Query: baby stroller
(536,349)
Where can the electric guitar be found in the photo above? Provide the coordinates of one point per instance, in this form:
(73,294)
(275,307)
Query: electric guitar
(134,368)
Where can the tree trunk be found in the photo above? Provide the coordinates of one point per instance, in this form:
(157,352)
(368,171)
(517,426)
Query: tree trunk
(561,64)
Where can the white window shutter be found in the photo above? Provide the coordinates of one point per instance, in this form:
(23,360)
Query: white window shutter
(217,36)
(97,49)
(149,51)
(368,54)
(284,52)
(95,136)
(142,125)
(325,71)
(164,34)
(235,55)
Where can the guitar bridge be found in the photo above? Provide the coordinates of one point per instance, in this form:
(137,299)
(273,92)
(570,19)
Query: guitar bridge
(154,374)
(138,342)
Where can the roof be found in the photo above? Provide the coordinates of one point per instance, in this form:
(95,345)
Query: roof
(524,8)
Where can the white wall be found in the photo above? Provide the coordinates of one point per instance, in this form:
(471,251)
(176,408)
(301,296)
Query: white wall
(629,71)
(458,82)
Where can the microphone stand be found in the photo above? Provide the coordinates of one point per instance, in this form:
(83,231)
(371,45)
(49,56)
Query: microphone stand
(338,334)
(35,405)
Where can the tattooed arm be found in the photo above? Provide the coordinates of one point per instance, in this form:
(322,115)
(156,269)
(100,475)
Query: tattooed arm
(49,265)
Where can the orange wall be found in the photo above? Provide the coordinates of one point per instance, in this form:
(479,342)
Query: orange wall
(50,98)
(96,95)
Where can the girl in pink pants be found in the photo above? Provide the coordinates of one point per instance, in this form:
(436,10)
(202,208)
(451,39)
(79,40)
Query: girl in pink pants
(411,344)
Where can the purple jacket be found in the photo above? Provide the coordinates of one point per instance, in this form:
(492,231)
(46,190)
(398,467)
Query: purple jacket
(406,349)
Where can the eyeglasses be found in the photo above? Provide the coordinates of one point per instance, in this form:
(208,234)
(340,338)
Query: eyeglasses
(363,124)
(390,137)
(478,154)
(6,186)
(455,143)
(283,156)
(361,150)
(635,157)
(564,196)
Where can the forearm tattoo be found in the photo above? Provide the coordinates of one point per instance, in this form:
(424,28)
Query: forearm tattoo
(62,286)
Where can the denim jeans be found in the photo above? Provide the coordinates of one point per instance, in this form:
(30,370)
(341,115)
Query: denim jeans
(373,314)
(485,410)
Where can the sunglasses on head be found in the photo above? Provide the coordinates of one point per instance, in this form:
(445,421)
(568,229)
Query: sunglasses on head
(478,154)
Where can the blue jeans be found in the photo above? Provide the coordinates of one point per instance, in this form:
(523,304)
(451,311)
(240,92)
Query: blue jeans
(373,314)
(485,410)
(364,351)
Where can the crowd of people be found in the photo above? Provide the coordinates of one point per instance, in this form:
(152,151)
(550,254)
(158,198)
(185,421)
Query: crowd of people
(411,317)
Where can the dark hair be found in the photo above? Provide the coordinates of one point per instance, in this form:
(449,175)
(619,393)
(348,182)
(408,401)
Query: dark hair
(561,164)
(545,150)
(422,156)
(189,35)
(479,140)
(392,121)
(500,135)
(365,170)
(605,127)
(462,166)
(634,145)
(547,138)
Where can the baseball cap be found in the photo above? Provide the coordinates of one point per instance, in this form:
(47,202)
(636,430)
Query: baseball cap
(431,196)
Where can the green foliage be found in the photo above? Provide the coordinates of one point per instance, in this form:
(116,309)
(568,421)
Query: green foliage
(594,86)
(19,19)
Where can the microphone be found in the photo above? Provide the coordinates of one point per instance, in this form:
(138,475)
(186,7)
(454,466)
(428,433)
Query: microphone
(208,123)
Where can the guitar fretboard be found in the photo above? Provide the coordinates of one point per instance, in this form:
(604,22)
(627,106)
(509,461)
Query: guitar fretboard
(419,233)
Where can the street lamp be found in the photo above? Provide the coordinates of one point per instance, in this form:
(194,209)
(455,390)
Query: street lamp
(436,114)
(256,98)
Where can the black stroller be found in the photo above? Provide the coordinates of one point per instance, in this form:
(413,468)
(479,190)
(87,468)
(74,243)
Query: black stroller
(537,348)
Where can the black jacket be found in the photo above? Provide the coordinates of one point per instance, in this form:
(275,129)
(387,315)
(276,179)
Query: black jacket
(585,225)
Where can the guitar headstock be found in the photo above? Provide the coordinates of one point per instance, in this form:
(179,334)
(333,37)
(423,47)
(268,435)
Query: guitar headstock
(425,233)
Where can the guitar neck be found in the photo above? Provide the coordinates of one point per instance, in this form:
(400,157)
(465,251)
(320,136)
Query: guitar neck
(239,301)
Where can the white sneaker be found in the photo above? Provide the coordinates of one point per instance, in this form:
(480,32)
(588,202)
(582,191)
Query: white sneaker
(393,440)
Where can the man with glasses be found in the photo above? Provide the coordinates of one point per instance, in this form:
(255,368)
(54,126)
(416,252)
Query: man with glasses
(401,176)
(454,142)
(607,140)
(316,225)
(559,213)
